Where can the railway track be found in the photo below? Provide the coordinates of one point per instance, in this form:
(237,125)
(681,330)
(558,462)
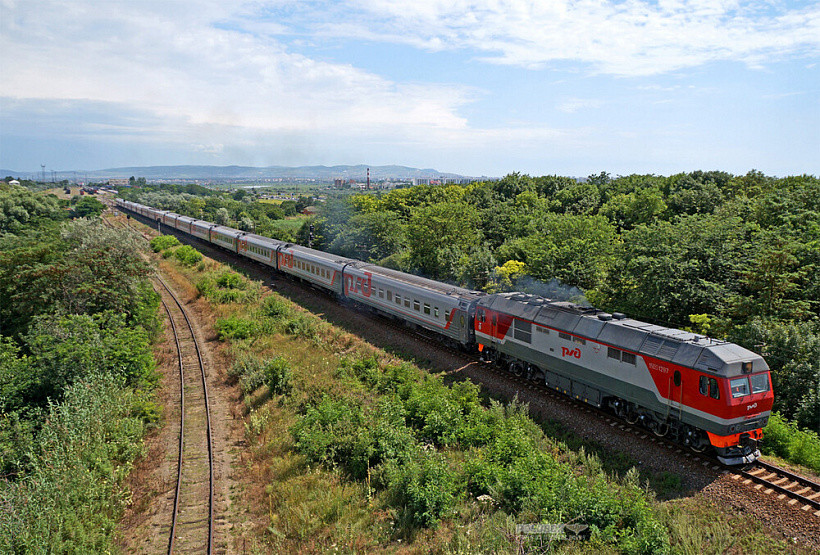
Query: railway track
(773,480)
(192,523)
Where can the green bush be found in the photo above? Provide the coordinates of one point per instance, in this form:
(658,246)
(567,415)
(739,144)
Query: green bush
(163,242)
(275,307)
(278,375)
(188,255)
(786,440)
(234,327)
(424,488)
(226,286)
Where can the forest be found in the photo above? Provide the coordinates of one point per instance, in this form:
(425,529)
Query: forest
(76,372)
(732,256)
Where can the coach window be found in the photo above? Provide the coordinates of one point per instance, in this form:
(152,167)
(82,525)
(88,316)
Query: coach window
(613,353)
(714,390)
(407,302)
(628,358)
(426,308)
(416,305)
(381,293)
(389,295)
(435,312)
(398,298)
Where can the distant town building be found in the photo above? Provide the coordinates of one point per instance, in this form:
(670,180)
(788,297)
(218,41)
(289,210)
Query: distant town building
(118,183)
(14,182)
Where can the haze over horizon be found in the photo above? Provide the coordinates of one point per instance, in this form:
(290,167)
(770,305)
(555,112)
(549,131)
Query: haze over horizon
(475,88)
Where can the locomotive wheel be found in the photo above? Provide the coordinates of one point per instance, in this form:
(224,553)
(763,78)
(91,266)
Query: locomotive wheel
(696,441)
(517,369)
(660,429)
(632,415)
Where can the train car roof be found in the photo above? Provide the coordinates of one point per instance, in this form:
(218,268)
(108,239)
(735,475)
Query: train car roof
(418,281)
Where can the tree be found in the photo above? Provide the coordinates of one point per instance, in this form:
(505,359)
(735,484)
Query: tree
(88,207)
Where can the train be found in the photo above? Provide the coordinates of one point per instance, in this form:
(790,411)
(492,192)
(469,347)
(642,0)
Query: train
(704,393)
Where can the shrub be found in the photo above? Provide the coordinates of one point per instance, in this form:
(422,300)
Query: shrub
(188,255)
(278,375)
(785,439)
(234,327)
(275,307)
(163,242)
(226,286)
(425,488)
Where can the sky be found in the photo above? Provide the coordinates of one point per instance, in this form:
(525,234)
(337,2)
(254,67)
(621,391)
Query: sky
(480,88)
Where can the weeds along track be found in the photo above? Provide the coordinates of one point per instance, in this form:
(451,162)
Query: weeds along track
(192,524)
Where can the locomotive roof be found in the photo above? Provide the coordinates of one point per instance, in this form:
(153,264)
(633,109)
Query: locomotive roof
(677,346)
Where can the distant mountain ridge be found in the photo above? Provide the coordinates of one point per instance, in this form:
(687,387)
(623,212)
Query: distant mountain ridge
(324,173)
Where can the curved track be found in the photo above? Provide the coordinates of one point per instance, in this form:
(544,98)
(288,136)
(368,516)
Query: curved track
(192,523)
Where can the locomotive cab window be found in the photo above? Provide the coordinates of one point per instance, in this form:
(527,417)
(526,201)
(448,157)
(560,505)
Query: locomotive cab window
(760,383)
(703,385)
(739,387)
(482,316)
(714,390)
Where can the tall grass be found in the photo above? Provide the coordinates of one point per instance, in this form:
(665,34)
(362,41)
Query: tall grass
(74,493)
(786,440)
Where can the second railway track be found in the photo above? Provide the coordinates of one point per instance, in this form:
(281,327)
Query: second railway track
(192,525)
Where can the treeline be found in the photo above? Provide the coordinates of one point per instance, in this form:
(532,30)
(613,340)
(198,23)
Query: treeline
(732,256)
(240,210)
(76,373)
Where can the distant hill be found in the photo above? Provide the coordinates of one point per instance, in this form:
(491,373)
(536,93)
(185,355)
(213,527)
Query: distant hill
(323,173)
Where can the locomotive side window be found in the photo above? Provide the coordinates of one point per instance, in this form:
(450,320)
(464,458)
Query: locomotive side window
(703,385)
(760,383)
(740,387)
(613,353)
(714,390)
(580,340)
(628,358)
(566,336)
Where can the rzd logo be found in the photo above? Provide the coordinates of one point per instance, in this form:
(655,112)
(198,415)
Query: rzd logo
(286,259)
(570,352)
(360,285)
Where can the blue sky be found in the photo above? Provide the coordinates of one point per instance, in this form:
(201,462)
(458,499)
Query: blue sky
(478,88)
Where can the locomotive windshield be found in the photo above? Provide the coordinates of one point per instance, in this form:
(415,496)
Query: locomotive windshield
(740,387)
(760,383)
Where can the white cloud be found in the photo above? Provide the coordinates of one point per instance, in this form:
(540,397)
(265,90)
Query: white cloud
(631,37)
(188,61)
